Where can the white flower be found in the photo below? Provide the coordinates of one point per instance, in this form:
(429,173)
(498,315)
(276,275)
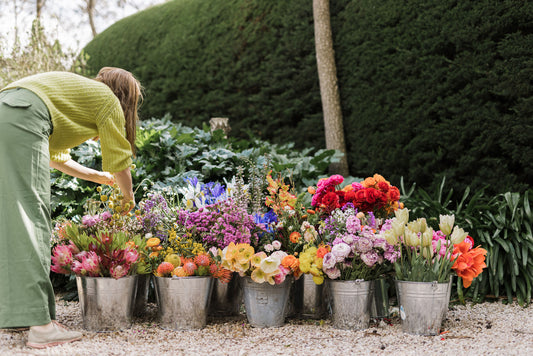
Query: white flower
(269,248)
(402,215)
(458,235)
(446,223)
(276,244)
(270,264)
(148,235)
(341,251)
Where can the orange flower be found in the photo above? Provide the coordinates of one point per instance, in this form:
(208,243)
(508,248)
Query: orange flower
(290,262)
(165,268)
(154,241)
(311,190)
(190,267)
(470,262)
(369,182)
(295,237)
(153,254)
(202,260)
(310,211)
(321,252)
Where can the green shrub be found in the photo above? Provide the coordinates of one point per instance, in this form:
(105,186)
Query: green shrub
(168,152)
(428,88)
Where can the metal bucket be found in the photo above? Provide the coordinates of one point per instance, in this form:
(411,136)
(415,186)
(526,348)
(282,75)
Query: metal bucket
(141,295)
(183,301)
(350,303)
(380,303)
(307,299)
(266,304)
(106,303)
(226,298)
(423,306)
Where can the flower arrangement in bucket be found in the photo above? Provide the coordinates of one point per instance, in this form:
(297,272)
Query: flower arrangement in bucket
(105,244)
(428,260)
(358,255)
(184,272)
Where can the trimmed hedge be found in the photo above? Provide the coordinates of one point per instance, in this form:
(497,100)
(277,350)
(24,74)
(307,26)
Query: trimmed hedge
(428,89)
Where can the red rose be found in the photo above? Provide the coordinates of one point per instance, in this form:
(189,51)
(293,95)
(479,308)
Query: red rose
(383,186)
(349,196)
(393,193)
(372,195)
(330,200)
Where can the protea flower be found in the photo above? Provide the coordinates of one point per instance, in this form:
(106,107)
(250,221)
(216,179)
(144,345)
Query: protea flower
(62,256)
(202,260)
(131,256)
(189,267)
(165,268)
(91,263)
(119,271)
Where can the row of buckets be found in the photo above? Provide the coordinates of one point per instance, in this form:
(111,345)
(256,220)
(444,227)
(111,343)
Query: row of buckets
(185,303)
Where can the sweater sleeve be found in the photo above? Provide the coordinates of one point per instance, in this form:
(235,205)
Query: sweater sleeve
(60,156)
(116,149)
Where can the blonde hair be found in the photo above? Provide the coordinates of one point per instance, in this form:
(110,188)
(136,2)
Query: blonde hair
(128,90)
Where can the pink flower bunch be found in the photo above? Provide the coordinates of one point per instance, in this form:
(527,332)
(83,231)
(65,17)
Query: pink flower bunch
(100,259)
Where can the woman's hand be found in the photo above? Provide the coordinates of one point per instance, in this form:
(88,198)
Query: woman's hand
(106,178)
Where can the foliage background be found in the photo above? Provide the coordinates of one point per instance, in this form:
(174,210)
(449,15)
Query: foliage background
(429,89)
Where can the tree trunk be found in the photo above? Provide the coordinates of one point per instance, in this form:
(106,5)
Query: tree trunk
(90,8)
(39,8)
(329,91)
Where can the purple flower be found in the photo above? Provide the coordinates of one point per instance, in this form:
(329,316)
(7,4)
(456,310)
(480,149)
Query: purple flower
(332,273)
(353,224)
(363,245)
(341,251)
(329,261)
(370,258)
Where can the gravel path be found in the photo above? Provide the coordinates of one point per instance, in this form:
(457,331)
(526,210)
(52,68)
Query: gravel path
(482,329)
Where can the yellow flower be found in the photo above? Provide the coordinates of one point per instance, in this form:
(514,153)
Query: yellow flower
(244,254)
(174,259)
(318,279)
(258,275)
(257,258)
(427,237)
(305,265)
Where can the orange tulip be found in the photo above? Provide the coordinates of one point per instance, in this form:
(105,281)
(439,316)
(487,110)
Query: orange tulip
(470,262)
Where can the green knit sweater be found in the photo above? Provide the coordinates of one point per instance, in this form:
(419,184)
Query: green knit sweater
(80,109)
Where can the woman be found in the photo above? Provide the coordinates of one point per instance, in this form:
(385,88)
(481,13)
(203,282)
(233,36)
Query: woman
(41,118)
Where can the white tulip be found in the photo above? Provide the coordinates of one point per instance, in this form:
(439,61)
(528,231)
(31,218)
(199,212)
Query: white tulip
(446,223)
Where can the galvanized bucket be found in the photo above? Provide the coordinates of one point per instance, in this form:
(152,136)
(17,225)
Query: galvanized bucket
(266,304)
(350,303)
(141,296)
(183,301)
(308,300)
(106,303)
(226,298)
(423,306)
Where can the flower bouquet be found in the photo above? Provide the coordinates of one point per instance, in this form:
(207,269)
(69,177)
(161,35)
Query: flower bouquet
(373,194)
(357,256)
(424,270)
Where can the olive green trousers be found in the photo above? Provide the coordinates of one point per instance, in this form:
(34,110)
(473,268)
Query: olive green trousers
(26,293)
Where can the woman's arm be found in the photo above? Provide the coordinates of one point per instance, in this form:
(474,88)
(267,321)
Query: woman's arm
(122,178)
(73,168)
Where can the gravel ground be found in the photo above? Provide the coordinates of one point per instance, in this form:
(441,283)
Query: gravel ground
(482,329)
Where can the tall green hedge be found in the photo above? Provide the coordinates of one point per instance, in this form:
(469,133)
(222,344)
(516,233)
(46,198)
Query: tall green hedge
(428,88)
